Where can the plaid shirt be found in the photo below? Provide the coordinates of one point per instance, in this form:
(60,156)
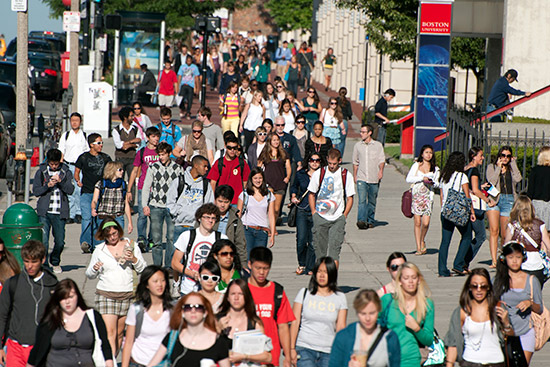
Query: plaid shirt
(55,198)
(112,201)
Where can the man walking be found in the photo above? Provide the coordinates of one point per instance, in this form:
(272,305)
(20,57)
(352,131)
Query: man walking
(368,169)
(72,144)
(52,183)
(91,164)
(500,92)
(168,85)
(381,115)
(188,76)
(331,192)
(282,56)
(212,131)
(169,132)
(125,137)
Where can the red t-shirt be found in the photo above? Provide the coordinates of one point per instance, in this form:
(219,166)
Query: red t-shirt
(167,81)
(264,298)
(230,175)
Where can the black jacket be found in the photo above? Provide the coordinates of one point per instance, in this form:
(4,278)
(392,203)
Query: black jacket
(149,83)
(40,188)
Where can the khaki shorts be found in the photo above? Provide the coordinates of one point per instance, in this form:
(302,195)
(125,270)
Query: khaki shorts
(328,71)
(165,100)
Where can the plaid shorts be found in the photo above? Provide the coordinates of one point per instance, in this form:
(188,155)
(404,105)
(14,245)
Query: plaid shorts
(108,306)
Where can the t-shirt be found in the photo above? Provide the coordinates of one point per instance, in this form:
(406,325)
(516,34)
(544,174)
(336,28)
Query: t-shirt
(166,133)
(382,108)
(264,299)
(151,334)
(192,358)
(330,202)
(473,172)
(166,83)
(319,315)
(521,320)
(188,74)
(445,186)
(92,169)
(197,256)
(230,175)
(150,156)
(256,211)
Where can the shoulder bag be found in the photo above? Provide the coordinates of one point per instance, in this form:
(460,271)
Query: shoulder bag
(291,219)
(457,205)
(545,259)
(541,323)
(406,203)
(97,353)
(513,352)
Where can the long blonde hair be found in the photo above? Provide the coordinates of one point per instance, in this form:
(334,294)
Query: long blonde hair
(523,212)
(422,293)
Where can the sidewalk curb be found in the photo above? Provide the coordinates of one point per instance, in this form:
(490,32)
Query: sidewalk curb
(400,167)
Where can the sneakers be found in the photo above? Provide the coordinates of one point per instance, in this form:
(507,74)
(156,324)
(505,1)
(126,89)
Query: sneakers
(78,219)
(57,269)
(362,225)
(85,247)
(141,245)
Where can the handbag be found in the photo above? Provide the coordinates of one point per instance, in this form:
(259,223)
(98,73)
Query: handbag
(544,257)
(406,203)
(97,353)
(457,206)
(287,74)
(171,342)
(513,352)
(437,355)
(291,219)
(541,323)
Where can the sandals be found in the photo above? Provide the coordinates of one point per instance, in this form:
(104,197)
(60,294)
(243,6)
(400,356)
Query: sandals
(422,251)
(493,265)
(300,270)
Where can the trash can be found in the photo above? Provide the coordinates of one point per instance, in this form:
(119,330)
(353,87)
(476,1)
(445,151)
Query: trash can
(19,225)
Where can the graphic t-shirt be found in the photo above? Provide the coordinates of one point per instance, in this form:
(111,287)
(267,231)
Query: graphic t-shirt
(264,299)
(150,156)
(330,202)
(92,169)
(188,74)
(200,249)
(230,175)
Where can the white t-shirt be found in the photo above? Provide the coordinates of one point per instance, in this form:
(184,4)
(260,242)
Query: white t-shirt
(330,202)
(256,211)
(445,186)
(197,256)
(151,334)
(289,122)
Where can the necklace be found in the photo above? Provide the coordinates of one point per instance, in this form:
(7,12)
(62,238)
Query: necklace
(476,345)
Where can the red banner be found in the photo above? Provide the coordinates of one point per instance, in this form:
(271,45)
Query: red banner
(435,18)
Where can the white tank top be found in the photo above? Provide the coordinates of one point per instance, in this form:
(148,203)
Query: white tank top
(254,117)
(289,122)
(329,121)
(481,344)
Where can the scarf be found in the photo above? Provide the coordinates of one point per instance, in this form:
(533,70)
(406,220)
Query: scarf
(191,145)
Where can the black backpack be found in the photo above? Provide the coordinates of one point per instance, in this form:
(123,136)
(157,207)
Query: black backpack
(192,236)
(182,184)
(221,165)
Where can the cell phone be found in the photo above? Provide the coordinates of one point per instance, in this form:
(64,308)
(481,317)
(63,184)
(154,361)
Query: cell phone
(500,304)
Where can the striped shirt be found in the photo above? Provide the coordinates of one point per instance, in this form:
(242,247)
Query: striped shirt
(232,103)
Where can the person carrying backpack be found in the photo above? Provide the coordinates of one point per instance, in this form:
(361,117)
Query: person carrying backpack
(193,247)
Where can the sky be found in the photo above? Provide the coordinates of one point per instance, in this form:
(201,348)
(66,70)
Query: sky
(39,19)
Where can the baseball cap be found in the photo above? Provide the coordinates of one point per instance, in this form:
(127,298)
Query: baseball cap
(513,73)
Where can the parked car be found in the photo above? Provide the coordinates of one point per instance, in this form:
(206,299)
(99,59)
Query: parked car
(8,71)
(34,45)
(7,124)
(47,75)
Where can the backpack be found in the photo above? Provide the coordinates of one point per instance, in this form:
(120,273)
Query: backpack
(182,184)
(141,153)
(245,200)
(160,126)
(221,165)
(277,299)
(102,190)
(68,132)
(192,236)
(344,179)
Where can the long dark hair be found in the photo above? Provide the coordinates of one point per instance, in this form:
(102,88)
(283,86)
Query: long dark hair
(503,148)
(266,156)
(419,159)
(53,314)
(455,163)
(502,277)
(217,247)
(466,295)
(393,256)
(250,187)
(249,306)
(473,152)
(8,264)
(332,275)
(143,295)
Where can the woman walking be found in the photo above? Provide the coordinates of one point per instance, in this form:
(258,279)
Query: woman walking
(312,107)
(288,114)
(318,143)
(538,189)
(333,122)
(271,103)
(394,261)
(345,105)
(301,134)
(225,254)
(453,178)
(209,277)
(252,117)
(328,65)
(314,329)
(503,174)
(292,74)
(424,178)
(256,148)
(229,105)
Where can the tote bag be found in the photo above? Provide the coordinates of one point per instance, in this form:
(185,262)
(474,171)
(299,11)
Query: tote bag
(457,206)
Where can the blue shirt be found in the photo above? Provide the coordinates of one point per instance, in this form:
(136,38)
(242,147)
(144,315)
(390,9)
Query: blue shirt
(283,55)
(222,226)
(188,74)
(171,134)
(500,91)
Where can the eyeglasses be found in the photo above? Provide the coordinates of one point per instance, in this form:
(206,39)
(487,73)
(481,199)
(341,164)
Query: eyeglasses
(315,160)
(506,155)
(226,253)
(483,287)
(197,307)
(197,131)
(262,134)
(97,143)
(206,278)
(209,217)
(232,147)
(120,170)
(394,267)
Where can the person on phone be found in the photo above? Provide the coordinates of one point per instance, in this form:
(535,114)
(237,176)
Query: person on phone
(504,175)
(52,184)
(395,260)
(477,327)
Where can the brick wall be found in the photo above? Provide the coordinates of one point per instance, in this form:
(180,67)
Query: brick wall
(255,17)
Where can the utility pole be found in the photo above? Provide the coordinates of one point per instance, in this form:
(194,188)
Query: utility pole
(73,74)
(22,80)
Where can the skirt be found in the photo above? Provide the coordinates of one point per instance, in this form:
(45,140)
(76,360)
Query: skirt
(109,306)
(422,203)
(333,133)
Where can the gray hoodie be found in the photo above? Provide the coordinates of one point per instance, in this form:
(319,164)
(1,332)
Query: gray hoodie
(183,207)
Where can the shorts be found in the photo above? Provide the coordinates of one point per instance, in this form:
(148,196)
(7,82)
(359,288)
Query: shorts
(165,100)
(279,192)
(528,341)
(328,71)
(109,306)
(504,205)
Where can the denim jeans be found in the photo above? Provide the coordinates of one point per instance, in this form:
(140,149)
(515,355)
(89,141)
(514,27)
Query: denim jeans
(342,145)
(382,132)
(142,221)
(74,198)
(366,196)
(158,217)
(480,236)
(254,238)
(57,226)
(311,358)
(89,224)
(304,239)
(447,229)
(306,73)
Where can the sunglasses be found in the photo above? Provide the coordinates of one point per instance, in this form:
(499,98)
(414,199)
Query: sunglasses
(279,124)
(311,91)
(315,160)
(226,253)
(232,147)
(137,108)
(483,287)
(506,155)
(253,85)
(394,267)
(120,170)
(279,86)
(333,103)
(97,143)
(262,134)
(300,122)
(206,278)
(197,307)
(197,131)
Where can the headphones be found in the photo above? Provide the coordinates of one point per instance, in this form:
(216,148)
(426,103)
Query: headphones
(502,258)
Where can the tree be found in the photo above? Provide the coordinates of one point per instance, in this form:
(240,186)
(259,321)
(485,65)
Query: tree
(469,54)
(290,15)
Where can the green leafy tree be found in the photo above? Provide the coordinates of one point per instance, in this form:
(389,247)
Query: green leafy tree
(291,15)
(469,54)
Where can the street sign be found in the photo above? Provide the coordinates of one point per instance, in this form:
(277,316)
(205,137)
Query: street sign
(71,21)
(18,5)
